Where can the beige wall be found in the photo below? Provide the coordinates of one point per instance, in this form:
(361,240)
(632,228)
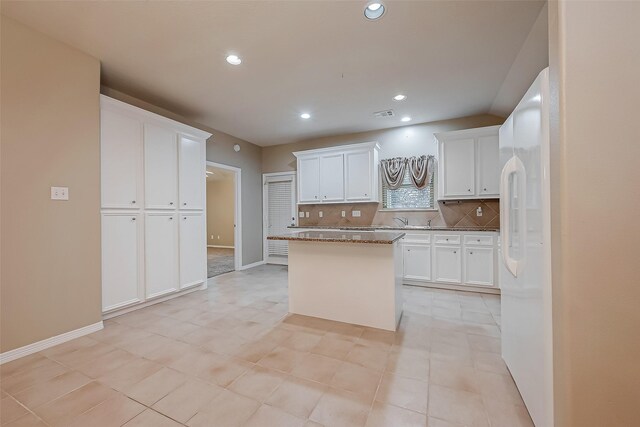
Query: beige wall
(220,150)
(220,211)
(50,250)
(595,64)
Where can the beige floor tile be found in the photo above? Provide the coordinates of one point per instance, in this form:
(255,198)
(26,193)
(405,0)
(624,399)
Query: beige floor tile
(310,423)
(61,411)
(408,364)
(316,368)
(68,347)
(225,344)
(113,412)
(498,387)
(124,377)
(454,375)
(369,357)
(255,350)
(338,408)
(27,378)
(478,329)
(452,338)
(201,336)
(436,422)
(269,416)
(404,392)
(457,406)
(302,341)
(29,420)
(52,389)
(282,359)
(484,343)
(450,353)
(82,354)
(11,410)
(345,331)
(331,346)
(24,363)
(185,401)
(156,386)
(297,396)
(481,318)
(377,338)
(504,414)
(193,361)
(99,366)
(257,383)
(168,352)
(116,334)
(357,379)
(383,415)
(223,370)
(489,362)
(228,409)
(150,418)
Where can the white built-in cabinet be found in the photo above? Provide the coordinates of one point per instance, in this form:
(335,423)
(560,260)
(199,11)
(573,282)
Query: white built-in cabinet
(347,173)
(153,201)
(469,165)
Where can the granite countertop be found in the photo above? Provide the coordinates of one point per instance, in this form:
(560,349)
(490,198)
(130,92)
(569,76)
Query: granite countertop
(375,237)
(393,227)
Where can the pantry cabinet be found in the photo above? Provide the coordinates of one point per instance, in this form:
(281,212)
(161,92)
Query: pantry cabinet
(347,173)
(153,206)
(468,164)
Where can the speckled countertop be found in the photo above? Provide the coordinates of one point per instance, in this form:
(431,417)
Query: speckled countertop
(375,237)
(392,227)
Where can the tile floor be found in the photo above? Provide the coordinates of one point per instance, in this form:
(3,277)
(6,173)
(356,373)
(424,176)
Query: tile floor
(231,356)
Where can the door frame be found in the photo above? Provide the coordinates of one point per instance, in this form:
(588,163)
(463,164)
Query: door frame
(265,210)
(237,232)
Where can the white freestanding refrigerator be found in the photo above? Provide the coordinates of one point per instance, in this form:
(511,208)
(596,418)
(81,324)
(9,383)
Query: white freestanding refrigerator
(525,270)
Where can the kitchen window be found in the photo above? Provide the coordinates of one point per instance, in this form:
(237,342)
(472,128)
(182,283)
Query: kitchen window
(407,196)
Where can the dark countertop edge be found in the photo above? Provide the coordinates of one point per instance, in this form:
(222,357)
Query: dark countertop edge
(338,240)
(406,230)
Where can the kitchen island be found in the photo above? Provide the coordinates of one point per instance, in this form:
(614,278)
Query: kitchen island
(352,277)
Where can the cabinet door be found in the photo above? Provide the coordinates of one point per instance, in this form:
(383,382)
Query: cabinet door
(488,166)
(193,250)
(309,179)
(120,160)
(459,167)
(192,172)
(448,264)
(120,261)
(332,177)
(359,175)
(160,167)
(417,262)
(161,254)
(478,266)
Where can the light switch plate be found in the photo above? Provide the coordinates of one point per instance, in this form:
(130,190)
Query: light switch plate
(355,214)
(344,214)
(320,214)
(59,193)
(479,211)
(301,214)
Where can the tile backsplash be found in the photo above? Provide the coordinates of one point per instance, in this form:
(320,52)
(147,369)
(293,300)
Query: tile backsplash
(455,213)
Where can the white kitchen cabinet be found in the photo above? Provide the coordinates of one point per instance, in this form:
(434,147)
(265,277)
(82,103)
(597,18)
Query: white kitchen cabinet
(332,177)
(358,175)
(417,261)
(478,265)
(121,160)
(347,173)
(468,164)
(191,179)
(121,263)
(161,253)
(193,251)
(448,264)
(160,167)
(309,179)
(488,166)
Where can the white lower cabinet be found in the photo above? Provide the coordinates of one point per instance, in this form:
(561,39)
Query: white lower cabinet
(121,263)
(417,261)
(193,250)
(161,256)
(448,264)
(478,266)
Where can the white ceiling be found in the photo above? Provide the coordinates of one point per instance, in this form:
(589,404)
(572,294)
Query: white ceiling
(322,57)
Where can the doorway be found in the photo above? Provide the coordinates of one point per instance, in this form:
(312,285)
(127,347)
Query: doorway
(223,219)
(279,212)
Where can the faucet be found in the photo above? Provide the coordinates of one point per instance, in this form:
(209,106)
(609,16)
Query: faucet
(429,223)
(404,221)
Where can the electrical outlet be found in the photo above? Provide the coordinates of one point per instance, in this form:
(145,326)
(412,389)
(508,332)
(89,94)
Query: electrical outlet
(479,211)
(320,214)
(344,214)
(212,237)
(59,193)
(301,214)
(306,214)
(218,237)
(355,214)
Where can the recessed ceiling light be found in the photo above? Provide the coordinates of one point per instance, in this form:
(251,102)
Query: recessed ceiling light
(305,116)
(234,60)
(374,10)
(405,119)
(400,97)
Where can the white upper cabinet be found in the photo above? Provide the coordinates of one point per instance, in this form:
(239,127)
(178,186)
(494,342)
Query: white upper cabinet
(332,177)
(160,167)
(121,160)
(359,175)
(469,164)
(347,173)
(309,179)
(192,175)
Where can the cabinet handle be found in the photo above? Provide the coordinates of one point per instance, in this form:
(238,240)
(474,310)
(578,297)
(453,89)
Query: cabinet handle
(455,252)
(447,240)
(171,203)
(478,240)
(468,189)
(133,219)
(315,197)
(133,202)
(170,217)
(365,194)
(484,189)
(185,218)
(470,253)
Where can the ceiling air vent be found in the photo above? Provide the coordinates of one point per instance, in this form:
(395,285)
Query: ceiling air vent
(384,113)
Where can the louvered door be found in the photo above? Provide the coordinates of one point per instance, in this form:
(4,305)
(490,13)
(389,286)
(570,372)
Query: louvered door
(279,195)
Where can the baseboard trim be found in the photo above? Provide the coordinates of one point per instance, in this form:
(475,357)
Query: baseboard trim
(35,347)
(453,287)
(254,264)
(221,247)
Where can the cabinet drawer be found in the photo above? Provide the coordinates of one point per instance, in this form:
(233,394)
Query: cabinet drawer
(477,239)
(447,239)
(417,237)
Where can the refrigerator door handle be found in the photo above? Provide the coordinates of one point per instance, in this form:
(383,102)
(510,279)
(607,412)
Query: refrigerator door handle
(513,166)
